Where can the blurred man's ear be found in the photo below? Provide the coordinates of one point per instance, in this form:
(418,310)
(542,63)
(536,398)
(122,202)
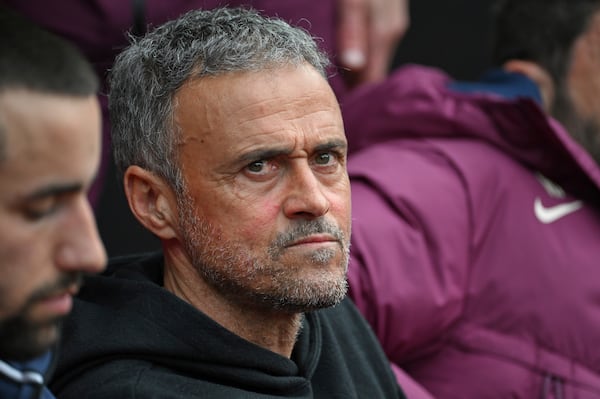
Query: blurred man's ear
(152,201)
(538,75)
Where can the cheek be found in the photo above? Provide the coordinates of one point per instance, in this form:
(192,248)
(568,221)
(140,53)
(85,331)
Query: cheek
(586,102)
(341,205)
(256,219)
(26,259)
(19,273)
(583,94)
(584,79)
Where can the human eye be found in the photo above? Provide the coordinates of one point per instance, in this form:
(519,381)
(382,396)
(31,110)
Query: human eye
(324,158)
(40,208)
(256,167)
(261,169)
(327,161)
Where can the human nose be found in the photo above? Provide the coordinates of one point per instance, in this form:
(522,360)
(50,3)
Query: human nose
(81,248)
(306,196)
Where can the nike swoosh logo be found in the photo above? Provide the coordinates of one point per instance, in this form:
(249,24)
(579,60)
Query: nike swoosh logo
(553,213)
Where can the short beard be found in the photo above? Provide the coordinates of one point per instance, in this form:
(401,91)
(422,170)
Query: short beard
(20,338)
(23,339)
(584,131)
(219,262)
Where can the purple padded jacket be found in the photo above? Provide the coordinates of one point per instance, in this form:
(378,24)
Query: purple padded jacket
(476,240)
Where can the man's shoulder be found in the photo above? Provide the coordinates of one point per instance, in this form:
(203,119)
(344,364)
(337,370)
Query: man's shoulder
(121,378)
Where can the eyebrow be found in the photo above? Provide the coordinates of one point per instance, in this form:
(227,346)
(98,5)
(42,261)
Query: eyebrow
(54,190)
(341,144)
(270,153)
(266,153)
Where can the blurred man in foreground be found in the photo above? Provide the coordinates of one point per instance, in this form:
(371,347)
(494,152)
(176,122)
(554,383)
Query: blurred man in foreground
(49,153)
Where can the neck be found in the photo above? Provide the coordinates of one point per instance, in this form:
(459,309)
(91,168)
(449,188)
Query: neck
(271,329)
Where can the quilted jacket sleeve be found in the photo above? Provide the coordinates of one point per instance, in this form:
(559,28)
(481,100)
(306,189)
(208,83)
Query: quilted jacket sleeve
(410,245)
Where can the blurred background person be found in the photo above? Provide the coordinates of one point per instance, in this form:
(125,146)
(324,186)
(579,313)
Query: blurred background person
(476,226)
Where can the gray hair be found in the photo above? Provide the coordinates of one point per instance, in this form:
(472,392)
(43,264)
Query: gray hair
(147,75)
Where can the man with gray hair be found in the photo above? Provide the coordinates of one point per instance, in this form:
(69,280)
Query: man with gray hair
(233,153)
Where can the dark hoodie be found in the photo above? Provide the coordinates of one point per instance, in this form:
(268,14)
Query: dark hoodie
(128,337)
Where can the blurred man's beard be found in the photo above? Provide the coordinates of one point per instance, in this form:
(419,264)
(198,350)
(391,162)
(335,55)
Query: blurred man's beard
(22,340)
(236,272)
(583,130)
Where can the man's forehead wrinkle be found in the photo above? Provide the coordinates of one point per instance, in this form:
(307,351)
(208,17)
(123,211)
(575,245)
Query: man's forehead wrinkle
(265,125)
(279,105)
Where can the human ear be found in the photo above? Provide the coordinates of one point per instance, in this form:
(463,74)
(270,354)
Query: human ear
(152,201)
(538,75)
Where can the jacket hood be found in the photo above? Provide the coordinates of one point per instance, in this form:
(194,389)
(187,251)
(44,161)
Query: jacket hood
(418,102)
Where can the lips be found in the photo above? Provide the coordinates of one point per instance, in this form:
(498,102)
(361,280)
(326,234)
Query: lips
(59,303)
(314,239)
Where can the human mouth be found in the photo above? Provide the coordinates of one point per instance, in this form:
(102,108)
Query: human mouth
(59,303)
(319,239)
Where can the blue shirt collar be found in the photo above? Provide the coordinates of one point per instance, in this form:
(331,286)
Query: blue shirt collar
(24,380)
(509,85)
